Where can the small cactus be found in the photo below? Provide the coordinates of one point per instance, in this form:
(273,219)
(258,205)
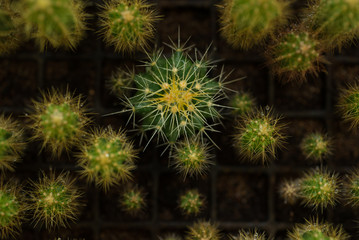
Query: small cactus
(12,210)
(313,230)
(316,146)
(54,200)
(245,23)
(58,120)
(11,143)
(349,105)
(170,236)
(60,23)
(242,103)
(248,235)
(133,201)
(127,24)
(191,202)
(259,135)
(107,158)
(191,158)
(203,230)
(319,188)
(351,188)
(289,190)
(295,55)
(121,82)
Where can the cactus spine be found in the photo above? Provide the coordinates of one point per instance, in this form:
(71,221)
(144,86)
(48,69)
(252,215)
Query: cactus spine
(316,146)
(133,201)
(191,202)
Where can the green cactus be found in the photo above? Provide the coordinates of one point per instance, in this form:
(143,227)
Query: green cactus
(289,190)
(107,157)
(60,23)
(295,55)
(349,104)
(242,103)
(58,120)
(258,136)
(248,235)
(12,143)
(54,200)
(121,82)
(127,24)
(351,187)
(245,23)
(191,202)
(316,146)
(12,210)
(319,188)
(176,96)
(335,21)
(203,230)
(133,201)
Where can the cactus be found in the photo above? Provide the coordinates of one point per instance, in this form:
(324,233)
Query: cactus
(258,136)
(203,230)
(313,230)
(245,23)
(60,23)
(349,105)
(127,24)
(12,210)
(170,236)
(191,202)
(176,96)
(54,200)
(351,188)
(289,190)
(191,158)
(121,82)
(133,201)
(316,146)
(11,143)
(319,188)
(335,21)
(242,103)
(248,235)
(58,120)
(295,55)
(107,158)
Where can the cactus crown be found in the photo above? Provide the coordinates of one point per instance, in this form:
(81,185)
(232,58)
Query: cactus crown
(316,146)
(203,230)
(133,201)
(108,157)
(289,191)
(191,202)
(349,104)
(242,103)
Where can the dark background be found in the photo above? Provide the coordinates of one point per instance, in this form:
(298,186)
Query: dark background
(239,194)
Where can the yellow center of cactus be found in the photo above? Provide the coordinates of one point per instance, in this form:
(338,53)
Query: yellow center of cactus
(49,199)
(57,117)
(127,15)
(43,4)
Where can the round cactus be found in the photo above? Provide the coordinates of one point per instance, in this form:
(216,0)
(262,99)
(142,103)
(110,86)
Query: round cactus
(316,146)
(191,202)
(176,96)
(248,235)
(61,23)
(248,22)
(259,136)
(313,230)
(319,188)
(54,200)
(11,143)
(128,24)
(295,55)
(335,21)
(349,105)
(11,210)
(352,188)
(58,120)
(191,158)
(289,190)
(121,82)
(242,103)
(107,158)
(133,201)
(203,230)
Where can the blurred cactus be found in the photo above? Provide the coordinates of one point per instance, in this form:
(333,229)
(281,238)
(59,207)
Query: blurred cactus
(245,23)
(170,236)
(121,82)
(60,23)
(191,202)
(58,120)
(289,190)
(54,200)
(242,103)
(133,201)
(248,235)
(127,24)
(349,104)
(107,157)
(316,146)
(12,143)
(203,230)
(351,188)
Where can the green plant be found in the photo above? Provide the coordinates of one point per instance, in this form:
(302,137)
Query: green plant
(121,82)
(107,157)
(349,104)
(54,200)
(176,96)
(313,230)
(245,23)
(289,190)
(242,103)
(335,21)
(12,210)
(351,188)
(191,158)
(319,188)
(191,202)
(258,136)
(203,230)
(12,143)
(60,23)
(316,146)
(127,24)
(133,200)
(248,235)
(59,120)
